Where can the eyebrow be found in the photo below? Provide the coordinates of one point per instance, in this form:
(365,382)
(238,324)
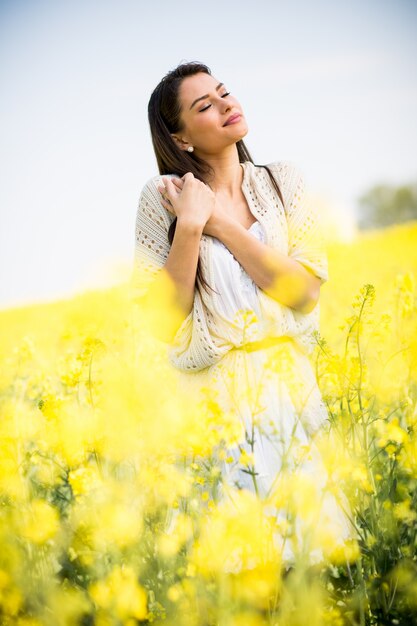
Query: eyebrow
(205,96)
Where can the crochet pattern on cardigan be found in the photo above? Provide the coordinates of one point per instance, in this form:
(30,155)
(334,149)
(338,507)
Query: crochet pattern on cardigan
(205,336)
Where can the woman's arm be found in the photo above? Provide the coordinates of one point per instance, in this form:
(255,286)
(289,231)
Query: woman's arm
(170,297)
(172,292)
(295,278)
(281,277)
(182,262)
(163,275)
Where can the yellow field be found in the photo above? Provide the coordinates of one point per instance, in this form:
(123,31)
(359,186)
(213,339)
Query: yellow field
(377,257)
(109,478)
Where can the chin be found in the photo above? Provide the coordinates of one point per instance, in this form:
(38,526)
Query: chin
(244,133)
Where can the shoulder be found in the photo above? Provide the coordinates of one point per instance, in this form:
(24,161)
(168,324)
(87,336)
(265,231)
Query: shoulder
(150,205)
(290,177)
(150,188)
(286,170)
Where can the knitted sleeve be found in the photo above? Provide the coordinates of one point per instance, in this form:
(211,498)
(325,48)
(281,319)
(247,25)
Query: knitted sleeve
(151,237)
(305,237)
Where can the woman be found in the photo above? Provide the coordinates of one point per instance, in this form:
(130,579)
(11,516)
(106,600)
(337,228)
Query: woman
(245,258)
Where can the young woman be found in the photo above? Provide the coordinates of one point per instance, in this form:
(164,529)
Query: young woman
(245,256)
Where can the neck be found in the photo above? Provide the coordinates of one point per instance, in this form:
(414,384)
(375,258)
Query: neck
(228,173)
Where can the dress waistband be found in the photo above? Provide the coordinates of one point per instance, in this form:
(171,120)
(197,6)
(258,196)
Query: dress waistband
(262,343)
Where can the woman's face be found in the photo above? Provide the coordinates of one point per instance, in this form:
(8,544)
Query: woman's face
(204,117)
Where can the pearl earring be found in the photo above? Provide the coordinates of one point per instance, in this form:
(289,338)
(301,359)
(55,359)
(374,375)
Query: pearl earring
(190,149)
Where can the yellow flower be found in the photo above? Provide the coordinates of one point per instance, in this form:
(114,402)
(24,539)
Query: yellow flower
(169,543)
(174,592)
(83,480)
(67,605)
(121,592)
(348,551)
(110,516)
(234,536)
(409,455)
(231,429)
(39,522)
(360,476)
(254,586)
(247,458)
(390,432)
(403,512)
(11,599)
(48,472)
(405,287)
(333,617)
(11,480)
(119,523)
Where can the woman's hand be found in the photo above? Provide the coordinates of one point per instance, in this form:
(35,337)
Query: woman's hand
(214,222)
(178,184)
(191,200)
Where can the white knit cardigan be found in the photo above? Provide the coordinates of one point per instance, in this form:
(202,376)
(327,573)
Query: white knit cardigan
(202,338)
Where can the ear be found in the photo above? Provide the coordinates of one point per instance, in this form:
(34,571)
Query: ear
(182,144)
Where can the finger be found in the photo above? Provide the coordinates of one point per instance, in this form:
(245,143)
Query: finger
(178,183)
(169,186)
(168,206)
(163,192)
(161,187)
(165,197)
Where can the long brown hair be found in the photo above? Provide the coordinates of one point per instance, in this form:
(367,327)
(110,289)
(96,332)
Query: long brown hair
(164,109)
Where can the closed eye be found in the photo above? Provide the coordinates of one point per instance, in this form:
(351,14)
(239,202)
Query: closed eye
(209,105)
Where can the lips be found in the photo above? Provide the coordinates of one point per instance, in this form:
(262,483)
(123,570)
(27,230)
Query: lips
(232,118)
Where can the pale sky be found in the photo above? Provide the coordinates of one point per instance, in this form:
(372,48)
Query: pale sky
(331,86)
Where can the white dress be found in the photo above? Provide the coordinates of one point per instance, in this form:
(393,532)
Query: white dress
(272,391)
